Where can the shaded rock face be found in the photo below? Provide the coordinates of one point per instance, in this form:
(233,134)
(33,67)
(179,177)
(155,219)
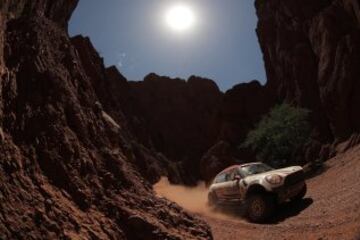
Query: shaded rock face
(58,11)
(67,166)
(216,159)
(242,107)
(311,51)
(180,116)
(174,122)
(120,101)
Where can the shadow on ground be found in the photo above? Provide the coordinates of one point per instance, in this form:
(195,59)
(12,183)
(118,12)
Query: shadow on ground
(316,171)
(290,209)
(281,213)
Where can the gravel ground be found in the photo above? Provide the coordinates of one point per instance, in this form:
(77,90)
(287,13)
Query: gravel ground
(330,210)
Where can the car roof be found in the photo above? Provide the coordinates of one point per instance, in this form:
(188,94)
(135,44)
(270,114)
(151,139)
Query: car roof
(236,166)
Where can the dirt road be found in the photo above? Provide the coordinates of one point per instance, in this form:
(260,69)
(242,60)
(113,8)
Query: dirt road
(330,210)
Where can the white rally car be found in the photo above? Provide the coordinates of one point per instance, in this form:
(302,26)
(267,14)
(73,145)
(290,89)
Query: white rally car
(258,186)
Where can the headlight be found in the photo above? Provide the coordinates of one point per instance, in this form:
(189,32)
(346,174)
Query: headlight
(274,179)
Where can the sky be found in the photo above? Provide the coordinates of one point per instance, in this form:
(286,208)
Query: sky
(134,35)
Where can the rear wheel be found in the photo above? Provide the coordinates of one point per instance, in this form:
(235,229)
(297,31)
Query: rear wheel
(260,207)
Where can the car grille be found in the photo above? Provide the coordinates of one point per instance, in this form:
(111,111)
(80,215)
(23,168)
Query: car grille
(294,178)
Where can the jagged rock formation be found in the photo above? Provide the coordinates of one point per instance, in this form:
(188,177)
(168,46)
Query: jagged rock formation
(116,99)
(58,11)
(68,168)
(179,116)
(311,51)
(80,145)
(240,109)
(217,158)
(170,117)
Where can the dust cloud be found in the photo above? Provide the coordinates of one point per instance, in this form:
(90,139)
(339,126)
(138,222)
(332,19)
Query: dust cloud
(193,199)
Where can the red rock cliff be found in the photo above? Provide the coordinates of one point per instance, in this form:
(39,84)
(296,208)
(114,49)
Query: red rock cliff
(311,51)
(179,116)
(68,168)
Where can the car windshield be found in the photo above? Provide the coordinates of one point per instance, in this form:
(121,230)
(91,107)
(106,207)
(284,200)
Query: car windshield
(255,169)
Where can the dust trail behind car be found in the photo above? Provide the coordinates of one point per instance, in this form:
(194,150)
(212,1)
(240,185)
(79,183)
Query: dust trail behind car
(193,199)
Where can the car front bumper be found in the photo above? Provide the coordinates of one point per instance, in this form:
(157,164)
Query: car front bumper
(286,192)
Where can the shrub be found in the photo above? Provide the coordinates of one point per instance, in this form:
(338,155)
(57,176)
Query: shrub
(280,135)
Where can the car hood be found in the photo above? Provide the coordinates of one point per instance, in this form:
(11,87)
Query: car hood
(282,172)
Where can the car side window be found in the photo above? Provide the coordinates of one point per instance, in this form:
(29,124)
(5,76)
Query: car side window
(234,173)
(220,178)
(240,173)
(229,176)
(226,176)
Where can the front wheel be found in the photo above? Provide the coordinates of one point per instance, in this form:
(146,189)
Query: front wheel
(260,207)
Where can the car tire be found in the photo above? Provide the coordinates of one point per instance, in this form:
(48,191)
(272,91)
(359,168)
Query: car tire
(300,195)
(259,207)
(212,199)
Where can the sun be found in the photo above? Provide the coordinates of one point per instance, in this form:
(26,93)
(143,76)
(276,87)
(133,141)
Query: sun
(180,18)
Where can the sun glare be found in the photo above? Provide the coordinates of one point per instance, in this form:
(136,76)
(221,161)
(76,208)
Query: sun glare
(180,18)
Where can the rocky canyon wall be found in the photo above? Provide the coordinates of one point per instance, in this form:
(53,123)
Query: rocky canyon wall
(81,145)
(180,116)
(311,52)
(70,166)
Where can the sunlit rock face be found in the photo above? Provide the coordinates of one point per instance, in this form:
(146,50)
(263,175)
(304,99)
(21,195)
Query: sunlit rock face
(311,51)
